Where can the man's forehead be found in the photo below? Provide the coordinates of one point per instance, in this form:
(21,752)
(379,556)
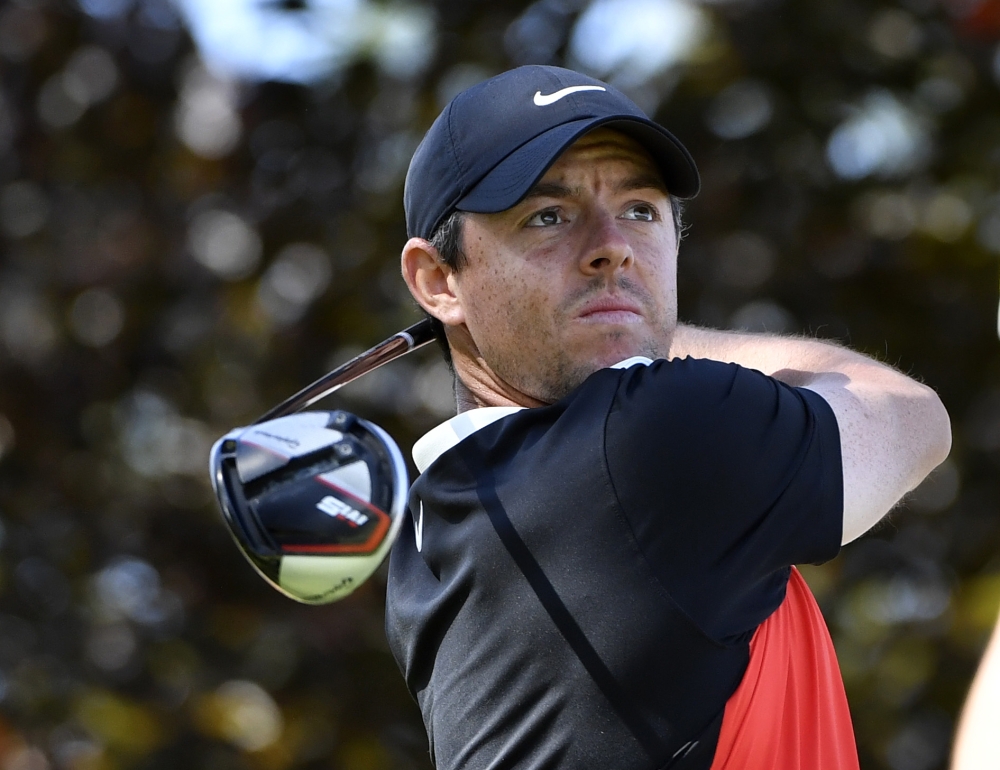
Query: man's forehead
(609,136)
(599,143)
(606,142)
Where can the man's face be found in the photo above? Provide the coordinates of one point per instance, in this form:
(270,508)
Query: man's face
(579,275)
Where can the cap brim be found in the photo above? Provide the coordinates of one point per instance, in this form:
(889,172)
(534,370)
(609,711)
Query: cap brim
(511,179)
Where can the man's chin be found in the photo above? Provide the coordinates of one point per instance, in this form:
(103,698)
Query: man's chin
(570,375)
(577,360)
(615,351)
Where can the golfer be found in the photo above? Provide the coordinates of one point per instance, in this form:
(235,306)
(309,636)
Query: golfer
(596,570)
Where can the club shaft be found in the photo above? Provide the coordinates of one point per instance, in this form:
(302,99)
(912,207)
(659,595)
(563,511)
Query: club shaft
(398,344)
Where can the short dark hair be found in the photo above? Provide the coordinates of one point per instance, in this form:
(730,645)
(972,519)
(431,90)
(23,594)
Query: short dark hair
(447,240)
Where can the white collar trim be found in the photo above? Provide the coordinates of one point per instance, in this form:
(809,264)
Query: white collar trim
(633,361)
(442,438)
(439,440)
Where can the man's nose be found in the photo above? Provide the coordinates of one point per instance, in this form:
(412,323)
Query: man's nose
(607,249)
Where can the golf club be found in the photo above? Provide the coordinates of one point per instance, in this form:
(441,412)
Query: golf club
(398,344)
(314,500)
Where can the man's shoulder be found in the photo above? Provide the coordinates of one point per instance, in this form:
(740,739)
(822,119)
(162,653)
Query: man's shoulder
(625,382)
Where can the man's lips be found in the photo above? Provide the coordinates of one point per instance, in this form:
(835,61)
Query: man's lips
(611,310)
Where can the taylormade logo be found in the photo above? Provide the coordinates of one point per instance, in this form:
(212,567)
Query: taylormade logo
(543,100)
(331,506)
(418,530)
(291,443)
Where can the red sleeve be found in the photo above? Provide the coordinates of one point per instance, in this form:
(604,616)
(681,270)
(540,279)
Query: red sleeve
(790,711)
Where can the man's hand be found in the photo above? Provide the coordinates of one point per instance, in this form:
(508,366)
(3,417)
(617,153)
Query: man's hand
(893,429)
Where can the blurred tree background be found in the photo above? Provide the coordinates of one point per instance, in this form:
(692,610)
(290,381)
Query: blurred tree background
(200,212)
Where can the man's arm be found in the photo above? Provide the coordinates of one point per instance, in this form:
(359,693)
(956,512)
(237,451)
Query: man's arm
(977,740)
(893,429)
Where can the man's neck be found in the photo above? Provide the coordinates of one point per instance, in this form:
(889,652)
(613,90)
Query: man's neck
(477,386)
(475,393)
(464,400)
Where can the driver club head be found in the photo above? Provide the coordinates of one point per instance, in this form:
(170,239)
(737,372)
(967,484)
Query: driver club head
(314,500)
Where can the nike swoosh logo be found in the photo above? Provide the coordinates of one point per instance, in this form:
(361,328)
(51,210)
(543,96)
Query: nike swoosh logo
(419,528)
(543,100)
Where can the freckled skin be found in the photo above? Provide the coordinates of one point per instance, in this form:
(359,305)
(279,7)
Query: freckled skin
(522,286)
(598,227)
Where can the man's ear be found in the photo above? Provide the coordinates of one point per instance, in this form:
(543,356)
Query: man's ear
(430,282)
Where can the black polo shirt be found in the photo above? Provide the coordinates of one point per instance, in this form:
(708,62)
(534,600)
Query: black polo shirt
(576,585)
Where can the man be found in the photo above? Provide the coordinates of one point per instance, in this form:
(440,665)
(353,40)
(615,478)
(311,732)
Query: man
(596,570)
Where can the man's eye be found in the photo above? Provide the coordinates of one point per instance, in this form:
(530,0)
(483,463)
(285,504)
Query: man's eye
(545,218)
(641,212)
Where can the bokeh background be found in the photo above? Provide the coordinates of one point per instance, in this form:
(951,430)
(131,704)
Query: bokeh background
(200,212)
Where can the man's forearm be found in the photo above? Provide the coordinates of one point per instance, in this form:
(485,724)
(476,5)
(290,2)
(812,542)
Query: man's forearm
(893,429)
(793,360)
(977,742)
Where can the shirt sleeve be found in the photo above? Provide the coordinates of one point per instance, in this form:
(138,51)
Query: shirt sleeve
(726,477)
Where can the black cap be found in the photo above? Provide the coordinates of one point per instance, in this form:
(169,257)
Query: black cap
(495,140)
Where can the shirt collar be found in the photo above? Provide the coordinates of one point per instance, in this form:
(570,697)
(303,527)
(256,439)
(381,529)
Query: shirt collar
(439,440)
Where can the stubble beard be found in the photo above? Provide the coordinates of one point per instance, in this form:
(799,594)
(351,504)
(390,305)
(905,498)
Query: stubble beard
(559,373)
(563,375)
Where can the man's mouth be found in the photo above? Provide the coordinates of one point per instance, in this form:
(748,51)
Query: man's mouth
(610,310)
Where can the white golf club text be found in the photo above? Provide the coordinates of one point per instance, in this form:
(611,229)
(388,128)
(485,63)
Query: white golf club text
(331,506)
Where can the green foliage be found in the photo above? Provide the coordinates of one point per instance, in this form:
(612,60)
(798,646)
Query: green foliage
(180,251)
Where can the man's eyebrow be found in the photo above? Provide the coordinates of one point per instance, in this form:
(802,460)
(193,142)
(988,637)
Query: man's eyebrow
(549,190)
